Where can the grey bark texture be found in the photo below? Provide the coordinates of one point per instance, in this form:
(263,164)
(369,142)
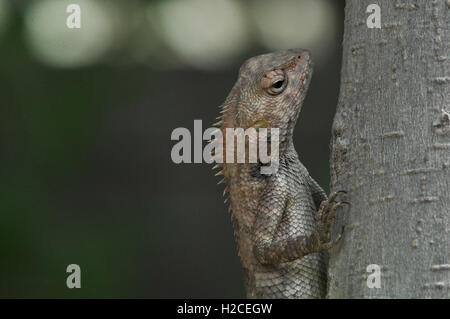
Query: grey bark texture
(390,150)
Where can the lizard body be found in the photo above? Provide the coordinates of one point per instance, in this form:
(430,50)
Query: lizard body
(281,221)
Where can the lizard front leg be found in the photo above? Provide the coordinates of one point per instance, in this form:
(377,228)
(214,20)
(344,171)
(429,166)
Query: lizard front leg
(291,246)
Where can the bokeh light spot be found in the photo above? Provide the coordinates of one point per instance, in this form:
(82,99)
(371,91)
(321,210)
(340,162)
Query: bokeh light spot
(54,44)
(204,34)
(307,24)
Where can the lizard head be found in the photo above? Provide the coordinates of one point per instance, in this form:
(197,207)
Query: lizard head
(269,92)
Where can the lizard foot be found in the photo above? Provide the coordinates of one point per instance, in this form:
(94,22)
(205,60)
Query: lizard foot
(324,219)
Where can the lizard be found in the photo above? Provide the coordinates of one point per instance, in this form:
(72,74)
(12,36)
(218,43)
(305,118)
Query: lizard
(281,221)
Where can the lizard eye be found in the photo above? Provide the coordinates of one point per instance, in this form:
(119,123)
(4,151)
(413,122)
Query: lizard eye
(277,86)
(274,82)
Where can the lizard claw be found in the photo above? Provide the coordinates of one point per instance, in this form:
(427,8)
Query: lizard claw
(334,195)
(324,219)
(332,243)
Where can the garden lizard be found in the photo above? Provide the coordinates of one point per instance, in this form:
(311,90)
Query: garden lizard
(281,221)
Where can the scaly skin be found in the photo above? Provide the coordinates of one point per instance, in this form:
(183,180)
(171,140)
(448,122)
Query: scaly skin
(281,221)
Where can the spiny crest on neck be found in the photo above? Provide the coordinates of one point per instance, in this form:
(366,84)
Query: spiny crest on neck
(225,120)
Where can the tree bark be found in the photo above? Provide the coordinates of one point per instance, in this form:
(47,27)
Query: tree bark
(390,150)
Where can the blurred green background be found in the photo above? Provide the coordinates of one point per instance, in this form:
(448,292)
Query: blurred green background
(86,116)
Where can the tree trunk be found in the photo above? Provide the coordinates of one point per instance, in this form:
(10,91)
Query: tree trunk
(391,152)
